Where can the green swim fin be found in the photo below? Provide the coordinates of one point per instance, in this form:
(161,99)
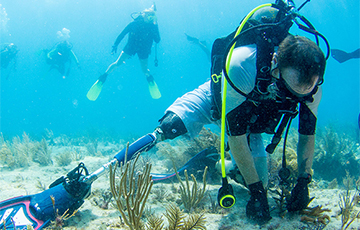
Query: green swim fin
(153,88)
(95,90)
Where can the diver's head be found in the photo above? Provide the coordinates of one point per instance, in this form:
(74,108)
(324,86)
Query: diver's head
(12,48)
(300,63)
(64,46)
(149,15)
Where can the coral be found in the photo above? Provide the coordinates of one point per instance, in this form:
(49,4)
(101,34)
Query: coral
(333,184)
(49,135)
(214,206)
(40,186)
(168,154)
(104,200)
(130,196)
(6,157)
(315,215)
(64,159)
(189,148)
(160,193)
(205,139)
(281,193)
(154,223)
(77,155)
(17,153)
(191,197)
(42,155)
(92,147)
(335,154)
(176,220)
(347,203)
(61,140)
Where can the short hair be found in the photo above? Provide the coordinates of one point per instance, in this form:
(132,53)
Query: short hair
(303,55)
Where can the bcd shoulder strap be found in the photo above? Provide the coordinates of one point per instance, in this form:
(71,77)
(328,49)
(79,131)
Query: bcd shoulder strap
(217,54)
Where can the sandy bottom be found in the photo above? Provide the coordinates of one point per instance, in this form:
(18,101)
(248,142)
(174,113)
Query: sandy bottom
(25,181)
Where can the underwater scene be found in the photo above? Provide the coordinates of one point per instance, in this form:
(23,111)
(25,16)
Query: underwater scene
(86,141)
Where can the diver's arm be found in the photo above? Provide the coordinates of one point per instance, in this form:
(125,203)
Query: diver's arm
(244,160)
(50,54)
(122,35)
(74,57)
(305,152)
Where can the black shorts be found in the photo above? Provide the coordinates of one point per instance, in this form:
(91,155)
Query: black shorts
(132,50)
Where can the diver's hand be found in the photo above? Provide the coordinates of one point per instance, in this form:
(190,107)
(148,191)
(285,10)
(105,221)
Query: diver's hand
(299,199)
(114,50)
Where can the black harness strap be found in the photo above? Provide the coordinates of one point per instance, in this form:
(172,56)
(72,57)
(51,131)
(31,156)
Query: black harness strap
(286,120)
(217,54)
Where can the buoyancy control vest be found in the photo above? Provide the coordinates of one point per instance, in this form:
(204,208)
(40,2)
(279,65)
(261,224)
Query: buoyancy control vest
(266,28)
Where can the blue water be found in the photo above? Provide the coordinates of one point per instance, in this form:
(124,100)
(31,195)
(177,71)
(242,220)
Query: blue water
(32,101)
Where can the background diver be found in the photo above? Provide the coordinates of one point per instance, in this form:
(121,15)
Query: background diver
(61,55)
(342,56)
(201,44)
(142,32)
(8,55)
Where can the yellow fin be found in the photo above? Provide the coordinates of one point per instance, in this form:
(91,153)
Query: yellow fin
(154,90)
(94,91)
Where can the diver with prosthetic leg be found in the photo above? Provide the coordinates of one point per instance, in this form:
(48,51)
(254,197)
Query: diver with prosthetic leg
(279,86)
(287,81)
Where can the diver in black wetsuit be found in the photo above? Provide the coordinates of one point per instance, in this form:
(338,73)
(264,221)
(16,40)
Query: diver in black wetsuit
(8,53)
(60,55)
(143,31)
(201,44)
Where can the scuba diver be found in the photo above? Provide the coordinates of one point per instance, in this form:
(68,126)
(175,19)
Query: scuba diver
(201,44)
(273,79)
(142,32)
(190,112)
(59,56)
(342,56)
(8,55)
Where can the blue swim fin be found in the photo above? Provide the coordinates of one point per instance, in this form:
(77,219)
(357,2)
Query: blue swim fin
(207,157)
(15,213)
(65,195)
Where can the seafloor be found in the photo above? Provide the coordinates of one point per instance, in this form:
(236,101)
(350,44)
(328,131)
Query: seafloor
(99,211)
